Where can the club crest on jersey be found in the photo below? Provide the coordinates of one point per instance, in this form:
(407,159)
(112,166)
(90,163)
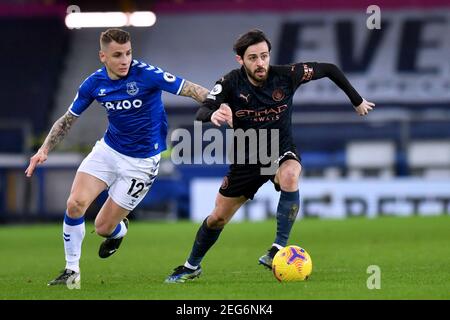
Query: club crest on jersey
(132,88)
(278,94)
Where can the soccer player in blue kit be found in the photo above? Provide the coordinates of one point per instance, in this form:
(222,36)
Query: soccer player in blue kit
(126,160)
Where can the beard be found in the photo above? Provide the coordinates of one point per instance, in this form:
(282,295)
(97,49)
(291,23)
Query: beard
(255,77)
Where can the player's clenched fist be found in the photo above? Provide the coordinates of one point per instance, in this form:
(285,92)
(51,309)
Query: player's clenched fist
(222,115)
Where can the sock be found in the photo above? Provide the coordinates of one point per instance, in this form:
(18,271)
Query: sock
(276,245)
(286,214)
(204,240)
(190,266)
(119,232)
(73,235)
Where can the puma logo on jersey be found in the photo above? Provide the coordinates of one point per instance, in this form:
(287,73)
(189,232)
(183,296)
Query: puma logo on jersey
(244,97)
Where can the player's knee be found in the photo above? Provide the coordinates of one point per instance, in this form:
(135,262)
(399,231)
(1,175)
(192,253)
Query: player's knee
(216,222)
(75,208)
(289,178)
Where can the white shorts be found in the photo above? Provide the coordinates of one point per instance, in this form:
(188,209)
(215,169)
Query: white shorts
(128,179)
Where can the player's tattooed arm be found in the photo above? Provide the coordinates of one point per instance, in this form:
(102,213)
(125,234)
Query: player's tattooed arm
(58,131)
(194,91)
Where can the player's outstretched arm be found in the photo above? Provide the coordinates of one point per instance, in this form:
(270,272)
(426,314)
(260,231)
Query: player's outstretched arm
(194,91)
(362,107)
(56,134)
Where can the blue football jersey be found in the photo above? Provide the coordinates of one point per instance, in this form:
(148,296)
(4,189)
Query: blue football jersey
(137,119)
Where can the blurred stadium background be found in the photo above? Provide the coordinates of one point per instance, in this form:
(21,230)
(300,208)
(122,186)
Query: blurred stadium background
(396,161)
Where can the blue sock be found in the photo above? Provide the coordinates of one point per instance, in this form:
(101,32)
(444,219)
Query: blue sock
(286,214)
(73,235)
(204,240)
(72,221)
(116,231)
(119,232)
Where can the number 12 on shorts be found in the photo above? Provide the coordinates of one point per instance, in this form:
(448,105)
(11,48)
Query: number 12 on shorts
(136,188)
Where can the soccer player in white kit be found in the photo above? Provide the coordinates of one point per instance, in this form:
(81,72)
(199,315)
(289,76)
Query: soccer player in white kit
(126,160)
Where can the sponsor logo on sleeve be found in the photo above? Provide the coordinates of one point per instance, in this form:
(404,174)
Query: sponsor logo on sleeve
(216,90)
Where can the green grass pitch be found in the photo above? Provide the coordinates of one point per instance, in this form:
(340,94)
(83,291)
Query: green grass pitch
(413,254)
